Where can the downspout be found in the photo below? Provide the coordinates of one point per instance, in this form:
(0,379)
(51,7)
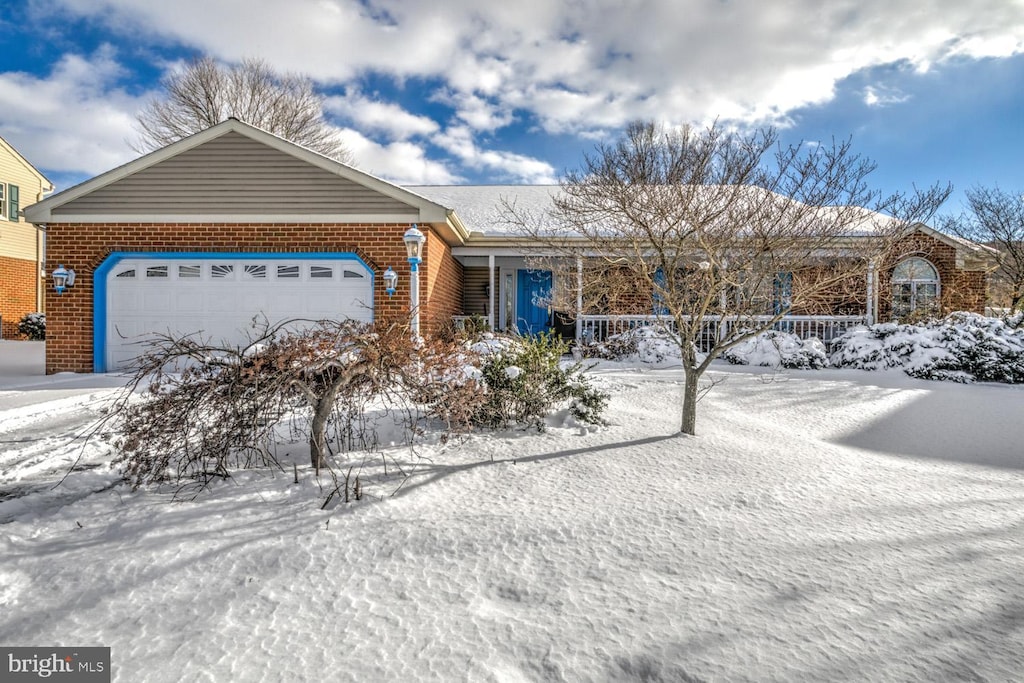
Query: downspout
(40,255)
(41,265)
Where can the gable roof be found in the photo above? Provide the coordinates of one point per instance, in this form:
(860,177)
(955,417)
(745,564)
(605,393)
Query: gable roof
(47,185)
(229,156)
(967,253)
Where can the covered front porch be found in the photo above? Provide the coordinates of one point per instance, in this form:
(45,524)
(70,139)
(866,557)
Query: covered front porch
(509,293)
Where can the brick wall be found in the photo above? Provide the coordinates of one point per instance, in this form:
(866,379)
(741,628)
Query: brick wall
(442,288)
(83,247)
(961,290)
(18,282)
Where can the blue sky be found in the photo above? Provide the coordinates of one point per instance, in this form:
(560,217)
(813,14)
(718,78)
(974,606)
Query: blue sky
(459,91)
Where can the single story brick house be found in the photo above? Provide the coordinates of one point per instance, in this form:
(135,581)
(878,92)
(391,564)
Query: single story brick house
(234,223)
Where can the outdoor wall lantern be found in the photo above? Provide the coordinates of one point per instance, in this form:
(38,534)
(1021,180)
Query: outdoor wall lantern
(390,281)
(62,279)
(414,240)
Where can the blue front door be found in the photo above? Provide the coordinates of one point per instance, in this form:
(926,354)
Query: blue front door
(533,301)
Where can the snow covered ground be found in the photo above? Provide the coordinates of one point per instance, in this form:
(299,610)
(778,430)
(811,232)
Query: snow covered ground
(834,525)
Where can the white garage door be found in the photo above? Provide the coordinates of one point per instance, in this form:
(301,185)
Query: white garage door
(219,297)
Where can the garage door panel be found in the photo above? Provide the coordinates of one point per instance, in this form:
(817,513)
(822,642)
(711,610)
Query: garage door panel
(154,300)
(193,301)
(220,297)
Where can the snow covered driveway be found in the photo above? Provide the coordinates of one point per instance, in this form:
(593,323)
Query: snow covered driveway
(832,525)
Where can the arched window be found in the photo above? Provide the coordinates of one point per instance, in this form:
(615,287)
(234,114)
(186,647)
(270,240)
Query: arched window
(915,287)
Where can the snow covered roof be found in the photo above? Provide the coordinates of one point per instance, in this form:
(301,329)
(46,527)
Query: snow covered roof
(481,208)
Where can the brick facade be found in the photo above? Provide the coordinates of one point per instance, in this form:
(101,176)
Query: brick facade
(18,281)
(84,246)
(443,286)
(960,290)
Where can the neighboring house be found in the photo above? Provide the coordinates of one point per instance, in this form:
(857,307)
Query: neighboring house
(235,223)
(21,243)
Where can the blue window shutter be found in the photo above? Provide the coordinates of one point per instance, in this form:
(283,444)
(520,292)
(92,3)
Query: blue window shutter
(658,299)
(783,292)
(12,192)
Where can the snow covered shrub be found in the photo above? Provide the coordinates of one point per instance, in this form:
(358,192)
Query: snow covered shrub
(985,349)
(878,347)
(654,344)
(963,347)
(1015,320)
(776,349)
(523,380)
(33,326)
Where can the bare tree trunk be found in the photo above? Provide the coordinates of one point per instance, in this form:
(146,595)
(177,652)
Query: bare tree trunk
(318,429)
(318,434)
(689,423)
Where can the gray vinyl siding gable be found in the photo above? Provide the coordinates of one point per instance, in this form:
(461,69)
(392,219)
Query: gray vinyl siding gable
(233,174)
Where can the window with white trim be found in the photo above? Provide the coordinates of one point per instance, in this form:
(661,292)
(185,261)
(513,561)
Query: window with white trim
(3,201)
(915,288)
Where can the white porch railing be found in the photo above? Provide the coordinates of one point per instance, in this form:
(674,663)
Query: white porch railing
(596,328)
(824,327)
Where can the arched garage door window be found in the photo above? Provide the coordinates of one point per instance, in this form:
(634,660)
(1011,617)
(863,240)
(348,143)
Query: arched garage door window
(915,288)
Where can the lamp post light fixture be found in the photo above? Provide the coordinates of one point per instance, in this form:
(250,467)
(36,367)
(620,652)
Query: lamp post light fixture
(390,281)
(414,240)
(62,278)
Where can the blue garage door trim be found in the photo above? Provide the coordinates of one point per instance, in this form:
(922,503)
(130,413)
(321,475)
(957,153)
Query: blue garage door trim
(99,300)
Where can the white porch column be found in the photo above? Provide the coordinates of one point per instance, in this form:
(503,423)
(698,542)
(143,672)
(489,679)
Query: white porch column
(871,292)
(491,293)
(579,298)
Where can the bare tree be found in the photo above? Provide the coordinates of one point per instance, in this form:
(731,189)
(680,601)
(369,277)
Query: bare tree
(996,218)
(205,93)
(721,234)
(210,406)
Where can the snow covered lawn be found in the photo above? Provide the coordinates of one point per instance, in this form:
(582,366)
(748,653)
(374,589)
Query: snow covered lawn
(824,526)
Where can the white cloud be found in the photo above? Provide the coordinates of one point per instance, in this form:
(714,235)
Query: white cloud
(590,63)
(369,114)
(402,163)
(583,68)
(880,96)
(76,119)
(479,113)
(509,166)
